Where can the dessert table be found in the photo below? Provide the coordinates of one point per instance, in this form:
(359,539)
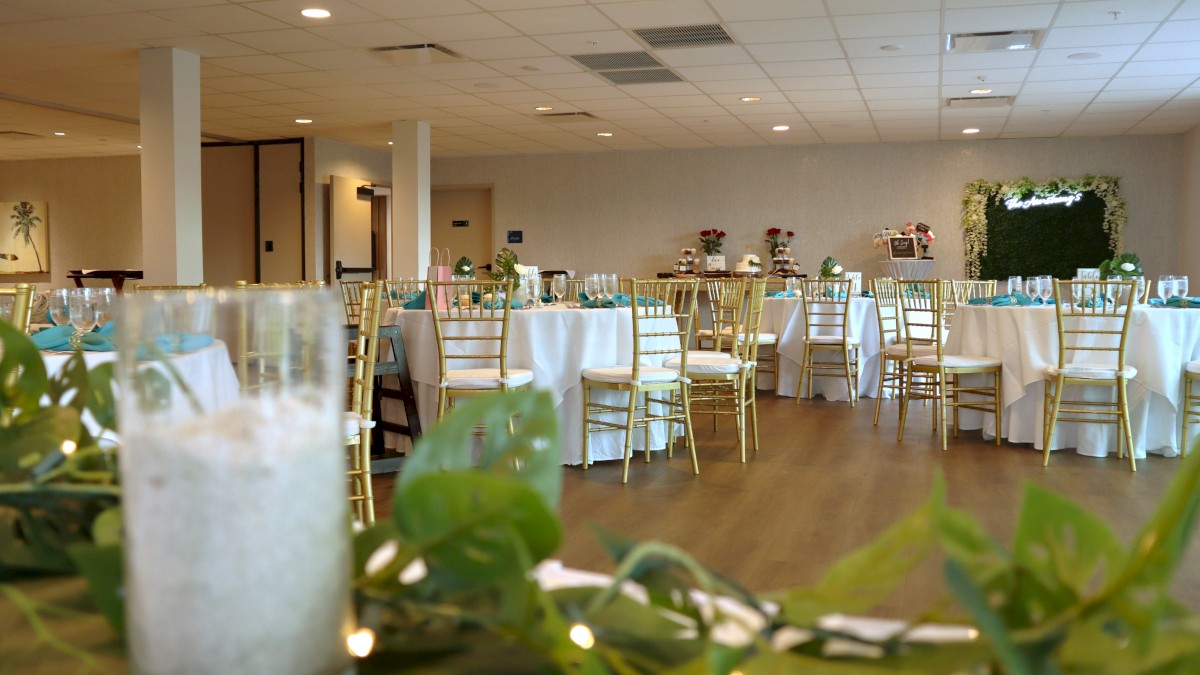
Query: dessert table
(554,342)
(785,318)
(1160,342)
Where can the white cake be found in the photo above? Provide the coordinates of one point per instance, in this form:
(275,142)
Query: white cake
(748,263)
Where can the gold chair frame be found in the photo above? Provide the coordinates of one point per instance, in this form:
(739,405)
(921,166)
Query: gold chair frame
(966,291)
(817,297)
(401,291)
(891,366)
(921,304)
(352,301)
(1115,321)
(22,311)
(669,299)
(144,288)
(1191,405)
(362,385)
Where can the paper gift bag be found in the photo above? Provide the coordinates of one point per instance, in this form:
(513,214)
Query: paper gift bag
(439,270)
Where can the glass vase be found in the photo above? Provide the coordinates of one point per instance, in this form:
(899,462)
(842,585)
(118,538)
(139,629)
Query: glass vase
(237,554)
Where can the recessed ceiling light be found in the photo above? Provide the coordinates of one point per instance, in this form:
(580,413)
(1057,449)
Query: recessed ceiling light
(1016,47)
(389,142)
(315,13)
(892,48)
(60,133)
(139,147)
(303,120)
(970,131)
(981,91)
(605,134)
(1084,56)
(780,127)
(543,108)
(749,99)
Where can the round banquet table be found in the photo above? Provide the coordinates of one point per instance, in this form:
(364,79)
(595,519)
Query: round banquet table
(556,343)
(1160,342)
(785,318)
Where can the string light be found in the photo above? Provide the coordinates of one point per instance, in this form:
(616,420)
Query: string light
(68,446)
(582,636)
(361,642)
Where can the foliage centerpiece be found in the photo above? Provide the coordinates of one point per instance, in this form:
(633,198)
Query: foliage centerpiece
(830,269)
(1126,266)
(977,194)
(777,239)
(507,266)
(464,267)
(711,241)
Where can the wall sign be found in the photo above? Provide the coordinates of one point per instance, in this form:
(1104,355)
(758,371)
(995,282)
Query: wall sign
(460,223)
(516,236)
(1065,200)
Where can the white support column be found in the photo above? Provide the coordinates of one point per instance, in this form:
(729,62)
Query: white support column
(172,250)
(410,199)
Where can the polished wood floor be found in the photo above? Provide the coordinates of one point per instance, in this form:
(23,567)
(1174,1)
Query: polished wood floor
(825,482)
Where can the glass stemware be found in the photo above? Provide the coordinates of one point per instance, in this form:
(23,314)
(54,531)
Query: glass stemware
(589,287)
(1141,291)
(612,285)
(558,287)
(1112,292)
(1166,286)
(58,310)
(1045,287)
(104,298)
(81,307)
(1181,288)
(1031,287)
(1014,285)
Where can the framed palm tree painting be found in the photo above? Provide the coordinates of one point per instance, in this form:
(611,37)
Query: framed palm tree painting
(24,238)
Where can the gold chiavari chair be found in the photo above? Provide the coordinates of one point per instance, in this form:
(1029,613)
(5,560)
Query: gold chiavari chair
(826,306)
(256,349)
(663,313)
(351,301)
(949,305)
(574,288)
(1191,401)
(895,349)
(473,330)
(1091,327)
(267,285)
(727,385)
(358,420)
(402,291)
(921,305)
(966,291)
(725,301)
(21,313)
(143,288)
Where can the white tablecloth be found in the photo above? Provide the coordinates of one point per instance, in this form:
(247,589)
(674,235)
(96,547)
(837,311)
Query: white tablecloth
(556,343)
(1160,342)
(785,318)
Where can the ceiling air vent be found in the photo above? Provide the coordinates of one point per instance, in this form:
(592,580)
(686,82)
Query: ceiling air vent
(616,61)
(17,135)
(648,76)
(979,102)
(671,37)
(415,55)
(560,118)
(1001,41)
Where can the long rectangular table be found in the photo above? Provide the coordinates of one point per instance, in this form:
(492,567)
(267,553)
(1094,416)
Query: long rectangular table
(1160,342)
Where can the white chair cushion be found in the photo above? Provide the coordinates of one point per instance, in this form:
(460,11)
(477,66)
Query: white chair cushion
(704,332)
(900,349)
(708,366)
(1193,367)
(1090,372)
(708,355)
(624,375)
(830,340)
(486,378)
(352,423)
(767,338)
(957,361)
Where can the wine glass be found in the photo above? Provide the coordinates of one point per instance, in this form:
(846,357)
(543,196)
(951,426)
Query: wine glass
(589,287)
(58,310)
(1031,287)
(1014,285)
(612,286)
(789,285)
(1112,291)
(1181,289)
(104,304)
(1045,287)
(1141,291)
(558,286)
(81,307)
(1166,286)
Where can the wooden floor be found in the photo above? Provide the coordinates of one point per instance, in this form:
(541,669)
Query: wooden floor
(825,482)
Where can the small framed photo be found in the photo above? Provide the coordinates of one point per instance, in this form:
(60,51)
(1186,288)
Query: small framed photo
(903,247)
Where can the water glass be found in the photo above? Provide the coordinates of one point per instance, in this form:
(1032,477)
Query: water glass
(1014,285)
(1141,291)
(81,308)
(1111,290)
(533,289)
(104,297)
(558,287)
(1166,286)
(589,286)
(58,311)
(1181,287)
(1031,287)
(1045,287)
(790,284)
(612,285)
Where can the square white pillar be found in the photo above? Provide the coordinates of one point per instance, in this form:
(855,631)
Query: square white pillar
(410,199)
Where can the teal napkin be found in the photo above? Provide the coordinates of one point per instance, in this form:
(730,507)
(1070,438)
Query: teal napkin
(179,343)
(514,303)
(1175,301)
(417,302)
(547,298)
(1005,300)
(618,300)
(829,294)
(781,294)
(53,338)
(868,294)
(59,338)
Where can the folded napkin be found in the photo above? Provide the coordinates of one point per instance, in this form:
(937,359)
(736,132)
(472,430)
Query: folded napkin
(58,338)
(1175,301)
(178,343)
(781,294)
(416,303)
(1006,300)
(868,294)
(547,298)
(514,303)
(829,294)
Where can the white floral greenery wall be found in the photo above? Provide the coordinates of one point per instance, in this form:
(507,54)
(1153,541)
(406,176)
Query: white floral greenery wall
(977,193)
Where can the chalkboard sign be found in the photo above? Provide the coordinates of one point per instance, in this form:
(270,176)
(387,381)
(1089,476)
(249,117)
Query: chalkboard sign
(903,248)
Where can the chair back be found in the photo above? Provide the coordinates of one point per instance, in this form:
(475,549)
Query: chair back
(966,291)
(402,291)
(726,300)
(281,285)
(352,301)
(756,295)
(473,331)
(826,305)
(144,288)
(367,350)
(887,310)
(664,311)
(1091,328)
(259,342)
(921,311)
(20,315)
(949,303)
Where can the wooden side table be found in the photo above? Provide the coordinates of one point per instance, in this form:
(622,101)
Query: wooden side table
(117,277)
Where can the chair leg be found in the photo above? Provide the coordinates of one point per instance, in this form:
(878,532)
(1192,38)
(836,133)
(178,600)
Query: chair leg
(941,410)
(368,492)
(754,418)
(904,403)
(685,394)
(630,413)
(883,372)
(803,370)
(849,379)
(1053,421)
(741,417)
(646,429)
(999,407)
(587,413)
(671,424)
(1126,427)
(1187,414)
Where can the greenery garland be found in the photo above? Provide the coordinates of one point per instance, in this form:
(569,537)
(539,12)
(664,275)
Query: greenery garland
(977,193)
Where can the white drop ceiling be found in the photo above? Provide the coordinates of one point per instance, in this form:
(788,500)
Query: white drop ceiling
(1102,68)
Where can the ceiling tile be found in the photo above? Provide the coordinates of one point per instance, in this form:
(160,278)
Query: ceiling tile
(530,66)
(903,105)
(499,48)
(989,77)
(878,25)
(899,93)
(556,20)
(1160,82)
(136,26)
(668,89)
(220,19)
(207,46)
(1168,50)
(1108,54)
(824,82)
(896,64)
(703,56)
(1155,68)
(796,51)
(582,43)
(374,34)
(910,45)
(258,65)
(1098,36)
(495,84)
(749,87)
(816,105)
(1055,98)
(653,13)
(1111,95)
(755,10)
(1063,86)
(288,11)
(999,18)
(829,95)
(807,68)
(335,59)
(410,9)
(1091,71)
(287,40)
(1013,59)
(782,30)
(744,71)
(899,80)
(562,80)
(465,27)
(1098,13)
(453,71)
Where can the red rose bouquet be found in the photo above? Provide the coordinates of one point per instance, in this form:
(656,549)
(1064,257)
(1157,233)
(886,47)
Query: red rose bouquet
(711,240)
(777,238)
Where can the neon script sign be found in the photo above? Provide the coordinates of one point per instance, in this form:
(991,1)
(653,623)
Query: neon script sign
(1065,200)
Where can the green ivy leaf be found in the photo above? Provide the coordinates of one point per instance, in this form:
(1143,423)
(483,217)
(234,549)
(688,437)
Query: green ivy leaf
(34,432)
(102,400)
(23,379)
(101,566)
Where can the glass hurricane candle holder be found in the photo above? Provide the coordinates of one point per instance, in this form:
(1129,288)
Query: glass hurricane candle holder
(237,550)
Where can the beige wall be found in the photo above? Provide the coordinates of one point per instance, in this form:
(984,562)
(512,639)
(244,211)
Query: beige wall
(631,212)
(1189,250)
(474,241)
(323,158)
(279,213)
(227,189)
(93,207)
